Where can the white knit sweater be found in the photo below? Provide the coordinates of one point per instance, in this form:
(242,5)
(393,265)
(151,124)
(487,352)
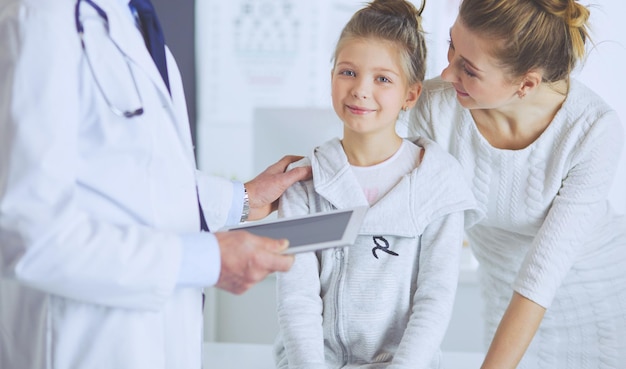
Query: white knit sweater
(549,234)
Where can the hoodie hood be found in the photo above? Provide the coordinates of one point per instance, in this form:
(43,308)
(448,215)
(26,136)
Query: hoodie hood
(436,187)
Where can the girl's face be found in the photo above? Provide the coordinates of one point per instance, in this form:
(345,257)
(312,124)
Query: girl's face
(369,87)
(479,82)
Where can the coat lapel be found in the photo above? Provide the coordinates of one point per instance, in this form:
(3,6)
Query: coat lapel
(125,34)
(127,37)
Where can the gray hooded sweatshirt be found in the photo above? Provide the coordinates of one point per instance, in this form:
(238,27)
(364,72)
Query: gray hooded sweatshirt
(386,301)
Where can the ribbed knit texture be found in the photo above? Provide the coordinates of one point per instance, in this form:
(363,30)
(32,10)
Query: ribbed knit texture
(549,233)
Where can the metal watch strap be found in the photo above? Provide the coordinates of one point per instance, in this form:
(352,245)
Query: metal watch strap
(246,206)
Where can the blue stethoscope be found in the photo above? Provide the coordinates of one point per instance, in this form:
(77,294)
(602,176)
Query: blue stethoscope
(127,113)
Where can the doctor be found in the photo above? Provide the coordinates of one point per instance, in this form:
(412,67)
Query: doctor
(101,259)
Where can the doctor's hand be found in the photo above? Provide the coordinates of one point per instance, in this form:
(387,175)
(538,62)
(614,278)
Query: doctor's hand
(247,259)
(265,189)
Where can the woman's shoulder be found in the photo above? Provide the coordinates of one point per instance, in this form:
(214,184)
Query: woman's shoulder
(437,87)
(583,101)
(437,113)
(586,111)
(438,100)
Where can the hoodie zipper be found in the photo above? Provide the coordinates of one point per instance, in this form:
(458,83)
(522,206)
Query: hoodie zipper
(339,256)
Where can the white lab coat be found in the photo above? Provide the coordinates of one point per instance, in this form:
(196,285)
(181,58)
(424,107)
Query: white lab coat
(92,205)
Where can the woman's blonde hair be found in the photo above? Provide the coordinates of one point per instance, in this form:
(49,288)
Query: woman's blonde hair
(396,21)
(531,34)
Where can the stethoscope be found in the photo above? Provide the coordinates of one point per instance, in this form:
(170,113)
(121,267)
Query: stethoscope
(127,113)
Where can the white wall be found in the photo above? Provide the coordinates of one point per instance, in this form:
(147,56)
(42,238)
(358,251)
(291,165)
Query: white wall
(260,54)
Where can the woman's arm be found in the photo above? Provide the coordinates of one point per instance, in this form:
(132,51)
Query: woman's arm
(573,215)
(517,328)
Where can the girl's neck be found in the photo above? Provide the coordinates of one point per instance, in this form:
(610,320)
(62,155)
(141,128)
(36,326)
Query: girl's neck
(368,150)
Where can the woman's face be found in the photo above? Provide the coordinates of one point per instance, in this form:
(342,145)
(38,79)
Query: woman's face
(479,81)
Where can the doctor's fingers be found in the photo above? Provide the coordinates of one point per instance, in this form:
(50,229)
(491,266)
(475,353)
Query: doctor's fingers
(247,240)
(247,259)
(283,163)
(266,187)
(253,269)
(268,255)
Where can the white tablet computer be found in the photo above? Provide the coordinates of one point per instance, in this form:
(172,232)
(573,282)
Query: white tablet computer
(337,228)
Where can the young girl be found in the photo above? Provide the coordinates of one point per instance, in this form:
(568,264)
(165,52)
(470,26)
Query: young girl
(386,300)
(541,151)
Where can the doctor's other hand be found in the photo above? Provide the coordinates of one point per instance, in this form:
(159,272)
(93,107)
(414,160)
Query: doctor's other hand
(265,189)
(247,259)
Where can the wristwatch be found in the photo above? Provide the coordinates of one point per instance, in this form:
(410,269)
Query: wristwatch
(246,206)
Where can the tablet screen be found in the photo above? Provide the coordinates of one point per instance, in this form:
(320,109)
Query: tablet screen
(336,228)
(305,231)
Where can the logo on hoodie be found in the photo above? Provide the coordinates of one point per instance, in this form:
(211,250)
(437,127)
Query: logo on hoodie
(383,245)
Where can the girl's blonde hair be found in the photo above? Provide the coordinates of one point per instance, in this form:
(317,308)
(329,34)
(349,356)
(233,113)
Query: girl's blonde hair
(396,21)
(531,34)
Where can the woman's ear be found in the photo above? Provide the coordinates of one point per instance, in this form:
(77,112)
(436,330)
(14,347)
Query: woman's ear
(412,95)
(529,82)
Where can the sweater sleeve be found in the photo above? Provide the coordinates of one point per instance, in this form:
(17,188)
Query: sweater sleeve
(299,304)
(434,299)
(574,213)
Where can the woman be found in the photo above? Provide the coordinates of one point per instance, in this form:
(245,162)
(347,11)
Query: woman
(540,150)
